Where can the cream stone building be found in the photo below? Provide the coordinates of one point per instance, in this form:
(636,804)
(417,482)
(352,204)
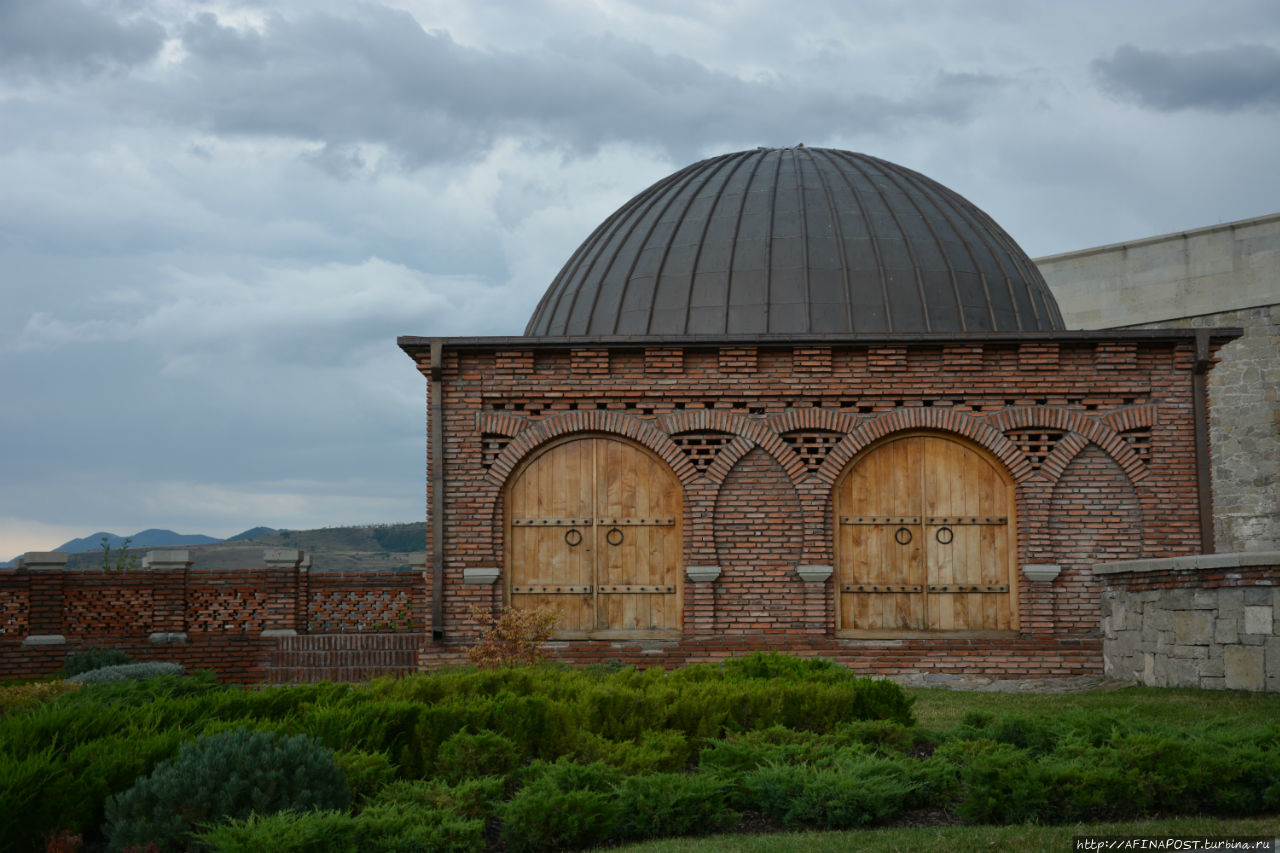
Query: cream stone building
(1222,275)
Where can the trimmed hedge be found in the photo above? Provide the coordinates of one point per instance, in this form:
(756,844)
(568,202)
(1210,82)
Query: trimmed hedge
(552,758)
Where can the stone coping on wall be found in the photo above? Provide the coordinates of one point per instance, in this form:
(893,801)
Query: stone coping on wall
(1196,561)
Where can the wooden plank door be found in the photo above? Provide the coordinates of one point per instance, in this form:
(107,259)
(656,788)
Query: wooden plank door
(968,523)
(595,531)
(637,540)
(878,511)
(924,540)
(550,535)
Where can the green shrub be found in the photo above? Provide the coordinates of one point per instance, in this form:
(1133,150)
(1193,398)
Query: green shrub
(544,817)
(849,796)
(406,829)
(78,662)
(474,798)
(127,672)
(229,774)
(857,792)
(284,832)
(397,827)
(24,816)
(562,805)
(655,751)
(1003,784)
(366,772)
(1034,736)
(673,804)
(466,755)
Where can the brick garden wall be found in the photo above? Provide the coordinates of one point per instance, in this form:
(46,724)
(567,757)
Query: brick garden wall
(230,621)
(1098,435)
(1211,621)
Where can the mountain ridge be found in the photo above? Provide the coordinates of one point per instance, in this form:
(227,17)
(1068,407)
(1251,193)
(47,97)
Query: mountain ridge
(152,537)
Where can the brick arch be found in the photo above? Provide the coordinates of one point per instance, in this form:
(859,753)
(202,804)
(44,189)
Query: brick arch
(831,420)
(1132,417)
(591,420)
(942,420)
(588,421)
(1082,430)
(501,423)
(758,434)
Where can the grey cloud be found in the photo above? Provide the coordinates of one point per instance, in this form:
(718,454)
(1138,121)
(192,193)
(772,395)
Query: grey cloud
(66,38)
(378,77)
(206,38)
(1241,77)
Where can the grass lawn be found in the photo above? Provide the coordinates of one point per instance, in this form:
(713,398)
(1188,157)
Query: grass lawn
(939,709)
(1027,838)
(936,708)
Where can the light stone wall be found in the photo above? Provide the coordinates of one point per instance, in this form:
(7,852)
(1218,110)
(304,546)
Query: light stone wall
(1226,275)
(1222,636)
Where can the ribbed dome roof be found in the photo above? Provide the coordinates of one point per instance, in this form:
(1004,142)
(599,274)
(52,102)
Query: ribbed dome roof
(796,241)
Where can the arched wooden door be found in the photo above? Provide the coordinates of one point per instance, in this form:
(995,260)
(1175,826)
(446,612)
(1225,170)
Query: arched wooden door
(593,530)
(925,540)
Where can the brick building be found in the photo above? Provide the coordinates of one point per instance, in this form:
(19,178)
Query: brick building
(808,400)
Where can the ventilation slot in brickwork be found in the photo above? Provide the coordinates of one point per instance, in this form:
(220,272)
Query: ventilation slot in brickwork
(491,445)
(1036,444)
(220,609)
(812,446)
(701,446)
(1140,440)
(360,610)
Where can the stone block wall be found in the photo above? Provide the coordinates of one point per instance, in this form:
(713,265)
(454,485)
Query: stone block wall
(1211,621)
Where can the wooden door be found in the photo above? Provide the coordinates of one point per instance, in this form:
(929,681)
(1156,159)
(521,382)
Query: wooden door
(924,540)
(593,529)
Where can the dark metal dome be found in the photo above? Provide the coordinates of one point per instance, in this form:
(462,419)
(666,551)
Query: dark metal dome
(796,241)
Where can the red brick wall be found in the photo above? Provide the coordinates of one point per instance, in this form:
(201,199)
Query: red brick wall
(222,612)
(1098,436)
(758,531)
(1094,517)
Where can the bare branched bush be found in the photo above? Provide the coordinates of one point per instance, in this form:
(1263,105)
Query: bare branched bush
(512,637)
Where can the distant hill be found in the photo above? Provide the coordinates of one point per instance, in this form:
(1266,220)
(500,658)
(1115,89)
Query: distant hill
(345,549)
(252,533)
(150,538)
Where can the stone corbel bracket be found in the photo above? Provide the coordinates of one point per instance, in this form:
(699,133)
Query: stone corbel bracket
(1041,572)
(814,574)
(702,574)
(481,577)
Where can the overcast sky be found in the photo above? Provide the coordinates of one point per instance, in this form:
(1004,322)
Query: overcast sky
(215,218)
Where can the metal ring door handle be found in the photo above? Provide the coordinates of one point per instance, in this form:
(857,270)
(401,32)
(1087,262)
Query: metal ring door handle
(609,537)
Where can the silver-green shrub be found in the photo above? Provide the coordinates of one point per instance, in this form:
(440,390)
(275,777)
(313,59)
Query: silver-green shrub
(231,774)
(127,672)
